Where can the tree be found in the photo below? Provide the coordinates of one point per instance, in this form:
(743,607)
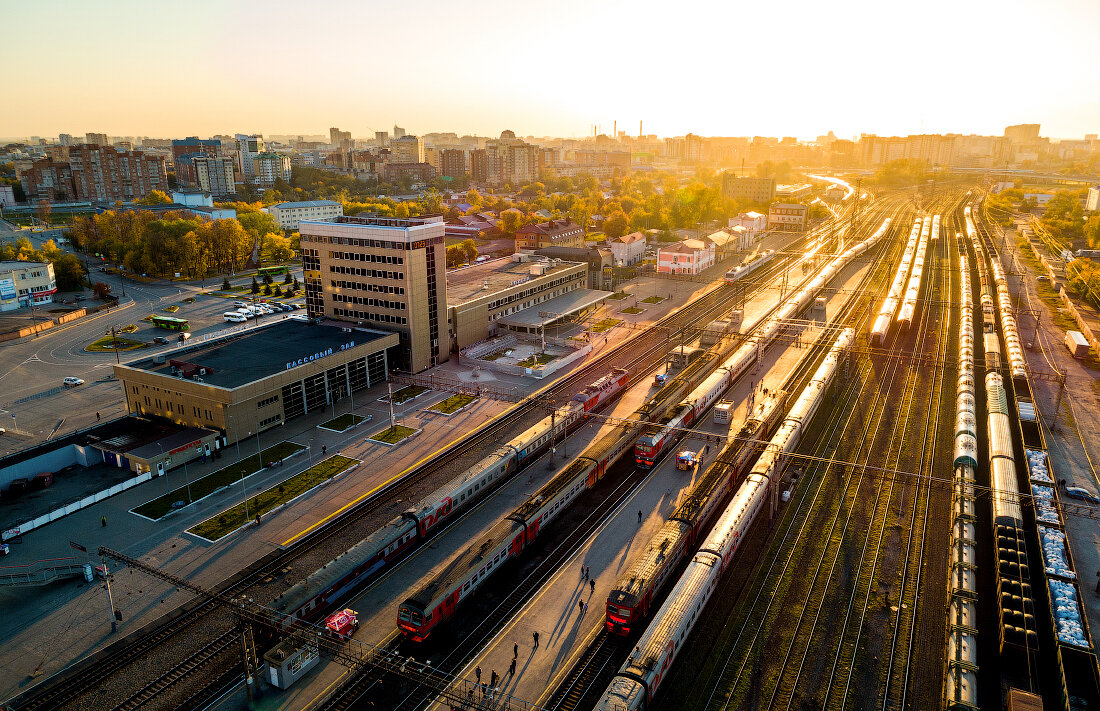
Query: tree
(278,291)
(286,277)
(616,224)
(276,248)
(267,289)
(102,290)
(255,286)
(268,279)
(156,197)
(226,286)
(69,272)
(43,211)
(511,221)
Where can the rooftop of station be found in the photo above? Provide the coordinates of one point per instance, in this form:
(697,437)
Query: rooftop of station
(496,275)
(252,355)
(559,307)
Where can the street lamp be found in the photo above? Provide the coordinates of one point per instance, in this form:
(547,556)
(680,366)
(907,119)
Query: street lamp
(160,465)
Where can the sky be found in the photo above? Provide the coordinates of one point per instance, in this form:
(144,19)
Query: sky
(789,68)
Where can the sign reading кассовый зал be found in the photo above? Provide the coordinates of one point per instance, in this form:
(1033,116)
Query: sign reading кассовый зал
(317,356)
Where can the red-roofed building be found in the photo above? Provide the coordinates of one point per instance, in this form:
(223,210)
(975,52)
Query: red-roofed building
(555,233)
(628,249)
(688,257)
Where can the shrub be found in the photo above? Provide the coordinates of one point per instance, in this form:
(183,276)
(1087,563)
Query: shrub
(225,284)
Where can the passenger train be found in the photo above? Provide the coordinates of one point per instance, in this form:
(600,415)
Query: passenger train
(437,600)
(749,266)
(639,678)
(885,317)
(931,229)
(310,599)
(661,436)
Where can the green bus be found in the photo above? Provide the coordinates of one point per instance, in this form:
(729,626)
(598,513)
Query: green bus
(273,271)
(171,323)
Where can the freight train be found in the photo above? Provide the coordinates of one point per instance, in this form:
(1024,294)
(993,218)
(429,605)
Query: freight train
(664,434)
(437,599)
(641,675)
(310,599)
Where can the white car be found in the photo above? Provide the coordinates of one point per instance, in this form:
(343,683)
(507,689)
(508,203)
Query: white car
(71,382)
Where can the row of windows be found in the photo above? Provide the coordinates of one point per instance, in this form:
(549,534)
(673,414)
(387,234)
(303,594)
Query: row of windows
(356,271)
(367,301)
(367,316)
(363,257)
(373,243)
(271,420)
(575,278)
(267,401)
(375,273)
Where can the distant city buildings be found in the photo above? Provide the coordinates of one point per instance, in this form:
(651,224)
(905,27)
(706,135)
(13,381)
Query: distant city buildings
(407,149)
(452,163)
(268,167)
(506,160)
(185,150)
(94,173)
(248,147)
(97,139)
(48,179)
(214,174)
(754,189)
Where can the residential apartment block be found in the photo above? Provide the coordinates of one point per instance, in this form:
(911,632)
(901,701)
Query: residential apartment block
(754,189)
(289,214)
(506,160)
(385,272)
(214,174)
(248,147)
(48,179)
(105,174)
(268,167)
(452,163)
(185,150)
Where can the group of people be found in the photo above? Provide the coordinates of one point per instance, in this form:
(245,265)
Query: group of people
(493,677)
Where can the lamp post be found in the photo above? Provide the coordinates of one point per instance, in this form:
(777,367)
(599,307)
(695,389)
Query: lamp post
(244,485)
(164,469)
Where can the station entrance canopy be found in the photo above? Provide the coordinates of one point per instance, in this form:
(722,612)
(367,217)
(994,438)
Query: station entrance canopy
(535,318)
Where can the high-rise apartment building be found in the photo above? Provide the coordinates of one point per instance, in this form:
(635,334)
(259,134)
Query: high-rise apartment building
(66,139)
(269,167)
(97,139)
(337,137)
(452,162)
(1023,134)
(386,272)
(407,149)
(381,138)
(506,160)
(104,174)
(48,179)
(214,175)
(185,150)
(248,147)
(398,132)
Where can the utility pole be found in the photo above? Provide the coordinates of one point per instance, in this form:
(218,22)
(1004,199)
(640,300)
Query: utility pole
(248,646)
(110,600)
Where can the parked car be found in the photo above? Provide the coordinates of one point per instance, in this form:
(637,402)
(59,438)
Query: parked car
(286,307)
(160,339)
(1083,494)
(234,317)
(80,297)
(240,304)
(72,382)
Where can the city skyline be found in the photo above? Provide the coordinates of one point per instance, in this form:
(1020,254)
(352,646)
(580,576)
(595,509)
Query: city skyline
(709,69)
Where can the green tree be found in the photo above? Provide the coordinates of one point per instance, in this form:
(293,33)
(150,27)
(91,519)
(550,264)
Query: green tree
(616,225)
(511,221)
(255,286)
(43,211)
(69,272)
(226,286)
(156,197)
(267,289)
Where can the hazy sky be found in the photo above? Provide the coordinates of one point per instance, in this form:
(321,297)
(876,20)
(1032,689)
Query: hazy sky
(792,67)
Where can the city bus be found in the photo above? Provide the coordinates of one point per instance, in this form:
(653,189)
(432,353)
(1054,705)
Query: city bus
(273,271)
(171,323)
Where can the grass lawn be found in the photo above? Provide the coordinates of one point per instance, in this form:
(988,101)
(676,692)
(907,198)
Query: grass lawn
(392,435)
(632,310)
(107,344)
(406,393)
(606,324)
(495,354)
(452,404)
(128,328)
(148,318)
(619,296)
(653,299)
(233,518)
(171,309)
(189,300)
(215,480)
(343,422)
(536,360)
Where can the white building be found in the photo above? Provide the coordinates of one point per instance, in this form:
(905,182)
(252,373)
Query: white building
(193,198)
(269,167)
(1092,202)
(751,221)
(248,147)
(7,196)
(787,217)
(288,214)
(24,283)
(688,257)
(628,249)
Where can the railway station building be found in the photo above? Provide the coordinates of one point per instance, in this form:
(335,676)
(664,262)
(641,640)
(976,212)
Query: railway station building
(245,382)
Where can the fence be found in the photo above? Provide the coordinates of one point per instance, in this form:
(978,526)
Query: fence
(46,325)
(74,506)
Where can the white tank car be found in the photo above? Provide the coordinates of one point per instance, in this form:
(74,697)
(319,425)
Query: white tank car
(893,297)
(639,678)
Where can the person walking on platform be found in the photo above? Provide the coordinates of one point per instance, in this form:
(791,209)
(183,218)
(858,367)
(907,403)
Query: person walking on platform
(493,680)
(103,521)
(580,606)
(585,609)
(584,575)
(512,667)
(593,584)
(535,636)
(639,516)
(477,673)
(515,650)
(587,573)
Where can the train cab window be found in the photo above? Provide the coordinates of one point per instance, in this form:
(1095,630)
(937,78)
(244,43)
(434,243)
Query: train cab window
(489,566)
(466,587)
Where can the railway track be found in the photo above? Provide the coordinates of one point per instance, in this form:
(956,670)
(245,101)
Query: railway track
(85,686)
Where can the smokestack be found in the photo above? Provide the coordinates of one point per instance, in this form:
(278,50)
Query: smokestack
(639,128)
(615,130)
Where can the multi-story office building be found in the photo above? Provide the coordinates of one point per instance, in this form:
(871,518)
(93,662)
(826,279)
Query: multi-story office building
(381,138)
(48,179)
(452,162)
(184,152)
(214,174)
(248,147)
(407,149)
(387,272)
(755,189)
(787,217)
(289,214)
(104,174)
(26,283)
(269,167)
(97,139)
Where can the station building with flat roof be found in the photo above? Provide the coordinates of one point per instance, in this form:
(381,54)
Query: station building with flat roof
(249,381)
(520,294)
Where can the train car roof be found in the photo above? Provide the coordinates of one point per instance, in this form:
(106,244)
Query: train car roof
(465,564)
